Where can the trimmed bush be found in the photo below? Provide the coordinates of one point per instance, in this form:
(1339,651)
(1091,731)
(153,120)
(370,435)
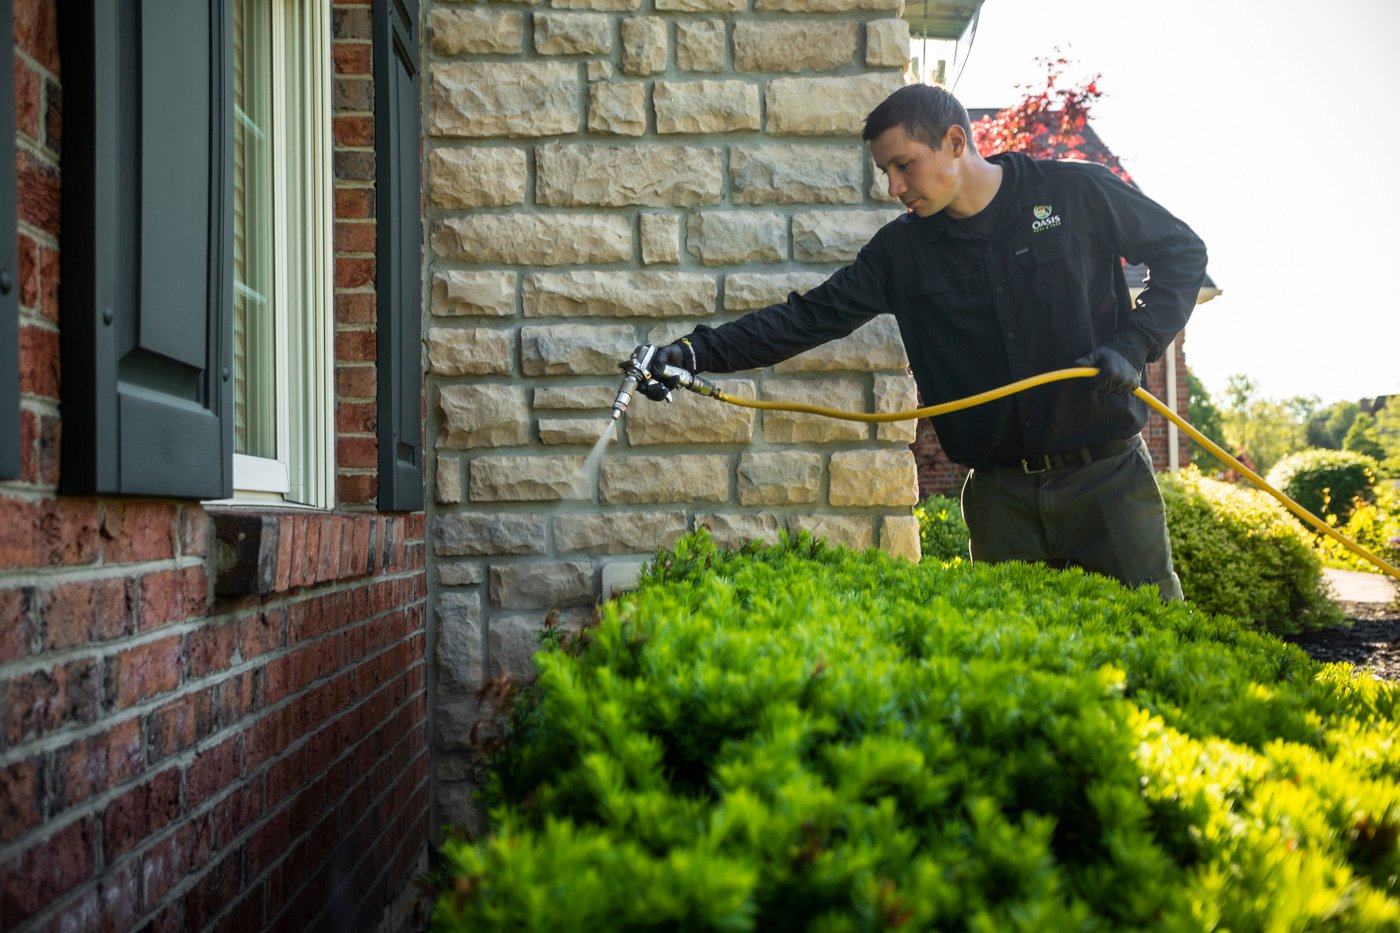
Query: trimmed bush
(1239,552)
(1375,526)
(942,532)
(803,738)
(1325,482)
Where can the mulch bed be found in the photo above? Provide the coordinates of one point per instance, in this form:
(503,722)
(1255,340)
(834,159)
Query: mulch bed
(1371,642)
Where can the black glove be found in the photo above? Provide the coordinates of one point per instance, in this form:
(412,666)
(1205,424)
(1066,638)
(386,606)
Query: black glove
(1116,374)
(680,353)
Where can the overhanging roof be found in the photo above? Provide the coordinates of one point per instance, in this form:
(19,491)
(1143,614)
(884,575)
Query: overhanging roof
(939,19)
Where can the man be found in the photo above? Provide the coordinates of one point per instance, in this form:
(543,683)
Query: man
(1005,268)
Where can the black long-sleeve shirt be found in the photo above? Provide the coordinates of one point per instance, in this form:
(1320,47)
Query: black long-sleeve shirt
(1028,285)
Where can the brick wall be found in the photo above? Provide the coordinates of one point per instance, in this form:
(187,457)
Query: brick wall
(171,758)
(937,474)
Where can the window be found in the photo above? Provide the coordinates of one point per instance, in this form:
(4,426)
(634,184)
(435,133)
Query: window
(282,254)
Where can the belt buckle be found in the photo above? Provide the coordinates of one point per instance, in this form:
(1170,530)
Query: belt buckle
(1044,458)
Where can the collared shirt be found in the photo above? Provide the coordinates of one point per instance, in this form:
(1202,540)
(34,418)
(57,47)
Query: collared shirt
(982,304)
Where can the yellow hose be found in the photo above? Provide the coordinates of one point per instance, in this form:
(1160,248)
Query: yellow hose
(1078,372)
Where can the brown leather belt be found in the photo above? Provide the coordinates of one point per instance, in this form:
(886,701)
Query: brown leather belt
(1044,463)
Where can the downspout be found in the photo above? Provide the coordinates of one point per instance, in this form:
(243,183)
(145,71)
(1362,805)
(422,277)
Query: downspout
(1173,444)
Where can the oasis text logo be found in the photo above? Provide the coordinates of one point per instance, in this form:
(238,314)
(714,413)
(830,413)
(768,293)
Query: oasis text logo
(1043,218)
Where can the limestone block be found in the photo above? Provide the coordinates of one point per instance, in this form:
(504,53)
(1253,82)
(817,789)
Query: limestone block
(805,45)
(541,585)
(736,237)
(869,478)
(615,6)
(457,293)
(459,572)
(872,346)
(899,537)
(733,530)
(661,238)
(896,393)
(574,349)
(458,654)
(835,236)
(624,176)
(887,43)
(483,415)
(475,32)
(700,45)
(643,45)
(826,106)
(852,531)
(746,291)
(705,106)
(785,427)
(618,532)
(618,294)
(525,479)
(460,177)
(555,431)
(779,478)
(677,478)
(693,419)
(534,239)
(469,351)
(474,534)
(447,480)
(599,70)
(617,107)
(575,397)
(825,6)
(517,99)
(458,806)
(701,6)
(572,34)
(453,722)
(786,174)
(511,642)
(620,576)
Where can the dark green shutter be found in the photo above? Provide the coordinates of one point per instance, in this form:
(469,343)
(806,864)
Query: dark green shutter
(9,257)
(398,276)
(147,247)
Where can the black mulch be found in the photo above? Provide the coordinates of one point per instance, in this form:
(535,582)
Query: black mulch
(1371,642)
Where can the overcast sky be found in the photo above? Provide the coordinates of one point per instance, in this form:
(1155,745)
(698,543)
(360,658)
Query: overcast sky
(1269,126)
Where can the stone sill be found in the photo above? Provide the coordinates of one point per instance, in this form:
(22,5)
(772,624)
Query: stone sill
(271,552)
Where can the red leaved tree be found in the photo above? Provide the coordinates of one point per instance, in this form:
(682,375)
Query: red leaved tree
(1049,122)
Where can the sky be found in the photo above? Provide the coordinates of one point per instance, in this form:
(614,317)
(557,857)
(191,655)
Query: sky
(1270,127)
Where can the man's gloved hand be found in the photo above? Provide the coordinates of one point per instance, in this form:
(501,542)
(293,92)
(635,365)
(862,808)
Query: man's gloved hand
(679,353)
(1116,374)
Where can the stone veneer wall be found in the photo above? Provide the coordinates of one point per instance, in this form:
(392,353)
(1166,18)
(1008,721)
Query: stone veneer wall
(600,173)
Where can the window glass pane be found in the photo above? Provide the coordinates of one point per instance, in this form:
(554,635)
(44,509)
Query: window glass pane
(254,359)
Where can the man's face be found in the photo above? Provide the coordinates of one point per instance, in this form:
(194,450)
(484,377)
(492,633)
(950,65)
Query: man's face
(924,178)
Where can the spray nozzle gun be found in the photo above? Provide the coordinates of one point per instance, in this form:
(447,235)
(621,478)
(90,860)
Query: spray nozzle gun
(642,372)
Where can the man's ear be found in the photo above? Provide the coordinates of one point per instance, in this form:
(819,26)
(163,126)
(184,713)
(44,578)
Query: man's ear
(956,140)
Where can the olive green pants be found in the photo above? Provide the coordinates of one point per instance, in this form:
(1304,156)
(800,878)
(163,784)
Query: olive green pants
(1106,517)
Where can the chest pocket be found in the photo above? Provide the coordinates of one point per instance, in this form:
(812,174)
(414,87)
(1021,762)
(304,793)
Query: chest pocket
(1048,249)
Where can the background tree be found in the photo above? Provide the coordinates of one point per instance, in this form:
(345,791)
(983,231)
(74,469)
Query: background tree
(1364,438)
(1326,427)
(1205,417)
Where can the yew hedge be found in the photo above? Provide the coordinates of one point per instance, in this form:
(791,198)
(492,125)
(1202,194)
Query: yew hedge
(805,738)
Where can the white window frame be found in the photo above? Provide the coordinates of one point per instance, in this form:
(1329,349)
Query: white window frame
(303,473)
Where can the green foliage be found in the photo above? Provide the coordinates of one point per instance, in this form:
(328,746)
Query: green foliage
(804,738)
(1364,438)
(1239,552)
(1205,417)
(1328,426)
(1264,429)
(1325,482)
(1375,526)
(943,534)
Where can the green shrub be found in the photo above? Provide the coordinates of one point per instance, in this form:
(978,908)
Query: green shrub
(942,531)
(1375,526)
(1240,552)
(1325,481)
(803,738)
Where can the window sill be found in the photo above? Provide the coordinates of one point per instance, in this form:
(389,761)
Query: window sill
(257,553)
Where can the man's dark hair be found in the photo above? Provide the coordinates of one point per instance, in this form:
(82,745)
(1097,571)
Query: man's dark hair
(924,110)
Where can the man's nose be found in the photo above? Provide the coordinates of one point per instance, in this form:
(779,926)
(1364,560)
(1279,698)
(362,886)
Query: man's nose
(896,185)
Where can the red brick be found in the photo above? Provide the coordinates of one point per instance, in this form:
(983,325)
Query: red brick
(356,236)
(36,31)
(212,770)
(37,187)
(136,530)
(350,273)
(88,767)
(163,866)
(110,907)
(17,629)
(76,613)
(28,272)
(351,58)
(193,531)
(46,871)
(354,308)
(141,812)
(355,382)
(211,893)
(181,723)
(356,488)
(210,648)
(245,915)
(239,696)
(355,345)
(42,701)
(353,130)
(38,362)
(356,417)
(235,813)
(50,432)
(53,116)
(357,452)
(172,596)
(146,671)
(352,203)
(269,737)
(22,786)
(68,532)
(28,103)
(262,633)
(48,282)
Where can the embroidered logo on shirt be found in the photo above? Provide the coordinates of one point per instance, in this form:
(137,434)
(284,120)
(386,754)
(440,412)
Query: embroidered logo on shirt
(1045,218)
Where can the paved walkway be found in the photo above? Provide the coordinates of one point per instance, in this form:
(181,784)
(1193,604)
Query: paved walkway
(1354,586)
